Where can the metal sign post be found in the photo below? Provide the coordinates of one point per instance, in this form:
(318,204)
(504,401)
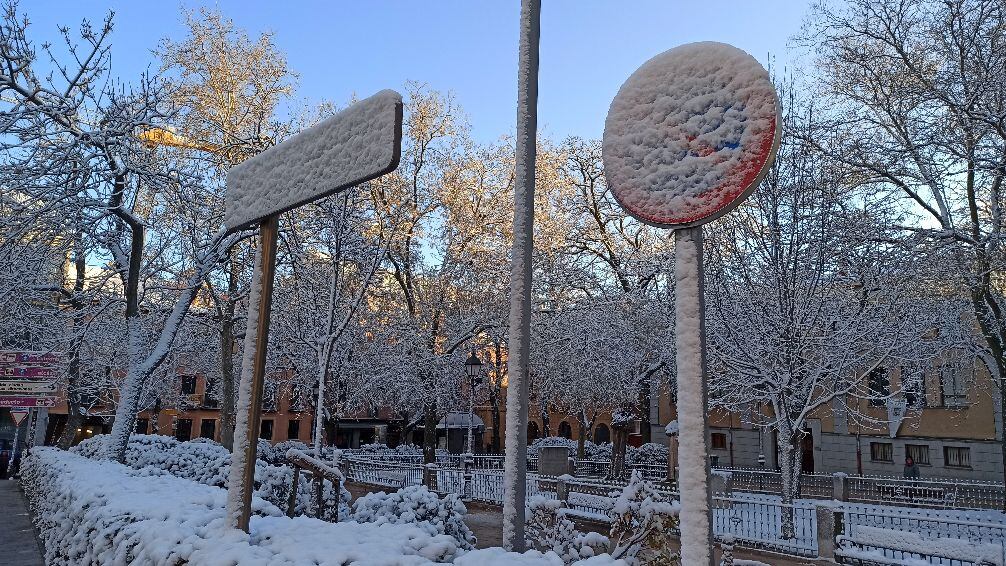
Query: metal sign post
(356,145)
(688,137)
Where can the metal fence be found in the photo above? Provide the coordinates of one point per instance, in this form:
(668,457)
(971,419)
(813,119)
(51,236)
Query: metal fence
(759,524)
(872,535)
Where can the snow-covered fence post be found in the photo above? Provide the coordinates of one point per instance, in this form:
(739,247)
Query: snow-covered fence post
(291,503)
(687,138)
(515,463)
(356,145)
(826,531)
(727,546)
(562,489)
(840,486)
(430,476)
(469,462)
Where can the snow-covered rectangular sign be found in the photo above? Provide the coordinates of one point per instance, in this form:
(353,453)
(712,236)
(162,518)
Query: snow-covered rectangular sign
(27,402)
(20,372)
(30,358)
(356,145)
(26,387)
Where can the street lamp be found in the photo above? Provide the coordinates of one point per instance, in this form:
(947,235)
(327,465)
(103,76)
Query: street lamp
(473,365)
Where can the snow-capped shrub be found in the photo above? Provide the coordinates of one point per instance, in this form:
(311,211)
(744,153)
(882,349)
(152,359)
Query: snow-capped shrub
(649,453)
(277,454)
(549,530)
(642,521)
(207,462)
(96,512)
(419,506)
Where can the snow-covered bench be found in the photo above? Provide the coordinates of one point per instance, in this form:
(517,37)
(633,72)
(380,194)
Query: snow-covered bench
(875,545)
(925,494)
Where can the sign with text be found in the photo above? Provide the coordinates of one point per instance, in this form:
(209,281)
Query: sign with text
(26,402)
(26,387)
(30,358)
(20,372)
(356,145)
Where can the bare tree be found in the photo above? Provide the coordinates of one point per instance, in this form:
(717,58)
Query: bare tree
(918,105)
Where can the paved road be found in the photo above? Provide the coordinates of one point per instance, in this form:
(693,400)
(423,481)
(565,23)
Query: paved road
(17,537)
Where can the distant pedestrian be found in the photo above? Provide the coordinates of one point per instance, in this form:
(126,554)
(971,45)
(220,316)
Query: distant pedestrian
(911,469)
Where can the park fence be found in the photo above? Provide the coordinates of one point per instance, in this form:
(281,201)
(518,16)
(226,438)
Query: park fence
(864,521)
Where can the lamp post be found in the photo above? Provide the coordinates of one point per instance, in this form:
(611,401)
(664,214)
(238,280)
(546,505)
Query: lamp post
(473,365)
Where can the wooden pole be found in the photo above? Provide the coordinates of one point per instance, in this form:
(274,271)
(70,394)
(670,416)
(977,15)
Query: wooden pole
(269,230)
(515,462)
(693,443)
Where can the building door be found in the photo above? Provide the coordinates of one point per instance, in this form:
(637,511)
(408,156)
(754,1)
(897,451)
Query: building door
(807,452)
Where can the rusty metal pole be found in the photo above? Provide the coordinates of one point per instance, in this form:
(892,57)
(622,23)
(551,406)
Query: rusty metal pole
(268,235)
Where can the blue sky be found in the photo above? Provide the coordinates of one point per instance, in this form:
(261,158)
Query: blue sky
(588,47)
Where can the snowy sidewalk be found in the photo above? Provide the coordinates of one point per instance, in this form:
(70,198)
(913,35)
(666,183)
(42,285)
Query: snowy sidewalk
(17,537)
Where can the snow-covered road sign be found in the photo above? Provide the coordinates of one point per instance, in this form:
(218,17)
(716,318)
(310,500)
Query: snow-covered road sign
(356,145)
(7,401)
(690,134)
(21,357)
(688,137)
(24,387)
(20,372)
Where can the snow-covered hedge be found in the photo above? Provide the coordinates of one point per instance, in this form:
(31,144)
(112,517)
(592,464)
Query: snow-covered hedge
(98,512)
(419,506)
(649,453)
(207,462)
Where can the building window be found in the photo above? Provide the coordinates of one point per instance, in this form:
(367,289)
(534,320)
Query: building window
(183,429)
(880,386)
(719,441)
(188,385)
(565,430)
(265,431)
(956,457)
(292,430)
(141,426)
(919,453)
(913,385)
(881,452)
(208,428)
(955,372)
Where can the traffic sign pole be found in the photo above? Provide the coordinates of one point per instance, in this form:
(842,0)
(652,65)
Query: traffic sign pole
(264,277)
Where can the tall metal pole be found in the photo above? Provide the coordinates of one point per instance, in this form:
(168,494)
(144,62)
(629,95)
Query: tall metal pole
(471,411)
(242,478)
(693,446)
(515,466)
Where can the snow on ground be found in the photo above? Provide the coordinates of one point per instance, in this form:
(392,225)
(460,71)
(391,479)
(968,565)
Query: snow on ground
(92,512)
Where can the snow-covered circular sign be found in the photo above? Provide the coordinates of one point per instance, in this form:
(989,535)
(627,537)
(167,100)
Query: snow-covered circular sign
(690,134)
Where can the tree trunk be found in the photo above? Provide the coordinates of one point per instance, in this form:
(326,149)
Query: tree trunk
(644,409)
(581,439)
(430,433)
(619,436)
(789,468)
(496,446)
(227,381)
(546,428)
(74,417)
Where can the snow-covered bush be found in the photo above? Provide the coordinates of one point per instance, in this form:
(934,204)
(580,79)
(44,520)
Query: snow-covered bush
(549,530)
(649,453)
(276,455)
(97,512)
(419,506)
(207,462)
(642,521)
(377,448)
